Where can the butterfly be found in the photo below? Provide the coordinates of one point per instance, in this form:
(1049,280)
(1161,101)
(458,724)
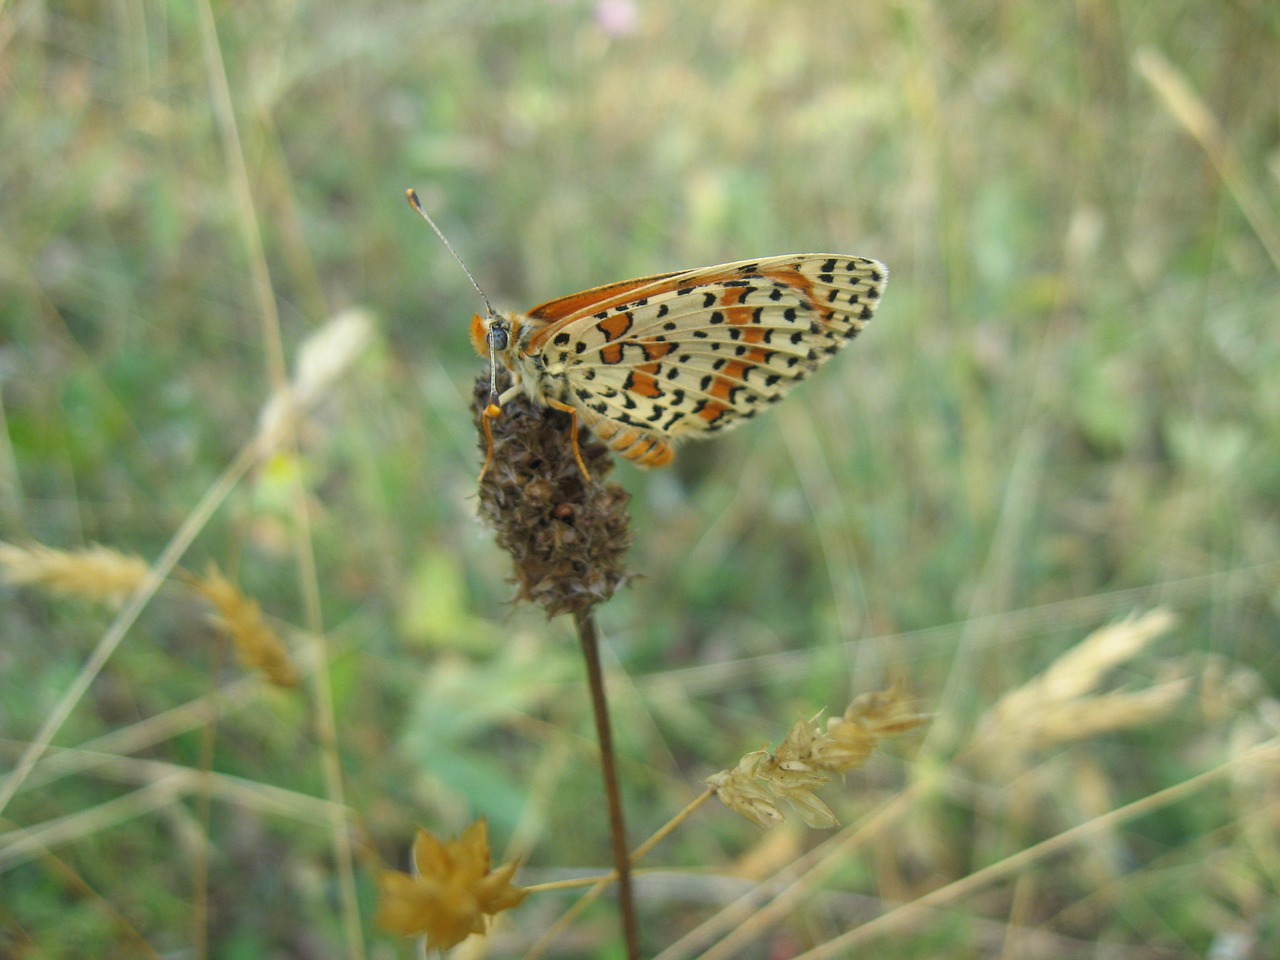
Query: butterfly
(647,363)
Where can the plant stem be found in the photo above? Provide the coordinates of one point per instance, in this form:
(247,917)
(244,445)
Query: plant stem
(590,639)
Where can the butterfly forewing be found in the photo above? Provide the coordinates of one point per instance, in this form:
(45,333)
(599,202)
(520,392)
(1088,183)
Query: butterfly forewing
(588,301)
(683,353)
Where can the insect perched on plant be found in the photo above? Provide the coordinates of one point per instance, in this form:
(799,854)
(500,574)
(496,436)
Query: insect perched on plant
(649,362)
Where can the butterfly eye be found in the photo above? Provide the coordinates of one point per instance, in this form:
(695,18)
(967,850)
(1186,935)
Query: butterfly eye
(498,338)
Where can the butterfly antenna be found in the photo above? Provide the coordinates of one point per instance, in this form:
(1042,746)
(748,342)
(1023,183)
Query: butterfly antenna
(412,196)
(414,202)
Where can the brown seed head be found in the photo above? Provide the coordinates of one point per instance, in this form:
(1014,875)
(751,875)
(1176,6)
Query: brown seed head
(566,536)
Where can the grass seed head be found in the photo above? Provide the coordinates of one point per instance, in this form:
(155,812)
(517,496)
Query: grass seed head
(1064,704)
(92,573)
(810,757)
(240,619)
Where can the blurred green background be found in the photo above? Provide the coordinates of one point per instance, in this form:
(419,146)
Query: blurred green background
(1066,410)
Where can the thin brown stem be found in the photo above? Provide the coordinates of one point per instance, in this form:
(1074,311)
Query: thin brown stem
(590,639)
(549,936)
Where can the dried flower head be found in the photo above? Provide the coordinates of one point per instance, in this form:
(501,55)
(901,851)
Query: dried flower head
(92,573)
(451,891)
(566,536)
(239,618)
(810,757)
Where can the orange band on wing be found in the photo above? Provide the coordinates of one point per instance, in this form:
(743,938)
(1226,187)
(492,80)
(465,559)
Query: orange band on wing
(593,300)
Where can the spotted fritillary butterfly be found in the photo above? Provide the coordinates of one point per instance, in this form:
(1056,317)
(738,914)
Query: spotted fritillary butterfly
(650,362)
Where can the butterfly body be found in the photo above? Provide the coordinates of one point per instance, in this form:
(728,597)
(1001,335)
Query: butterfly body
(649,362)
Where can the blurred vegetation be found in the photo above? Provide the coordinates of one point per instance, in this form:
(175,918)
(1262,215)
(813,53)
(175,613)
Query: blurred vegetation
(1067,410)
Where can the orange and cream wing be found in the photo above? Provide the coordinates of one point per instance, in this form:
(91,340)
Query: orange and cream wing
(662,358)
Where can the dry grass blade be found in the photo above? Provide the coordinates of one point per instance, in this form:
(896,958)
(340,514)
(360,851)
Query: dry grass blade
(1262,756)
(1190,110)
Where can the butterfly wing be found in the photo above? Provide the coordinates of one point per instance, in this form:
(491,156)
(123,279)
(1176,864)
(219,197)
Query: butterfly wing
(588,301)
(684,354)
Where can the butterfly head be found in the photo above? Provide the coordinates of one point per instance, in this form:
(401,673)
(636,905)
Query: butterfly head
(494,338)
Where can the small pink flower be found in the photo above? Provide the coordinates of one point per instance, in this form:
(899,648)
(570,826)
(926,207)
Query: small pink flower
(617,18)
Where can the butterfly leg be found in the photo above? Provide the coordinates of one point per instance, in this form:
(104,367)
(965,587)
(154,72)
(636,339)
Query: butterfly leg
(492,412)
(489,413)
(573,433)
